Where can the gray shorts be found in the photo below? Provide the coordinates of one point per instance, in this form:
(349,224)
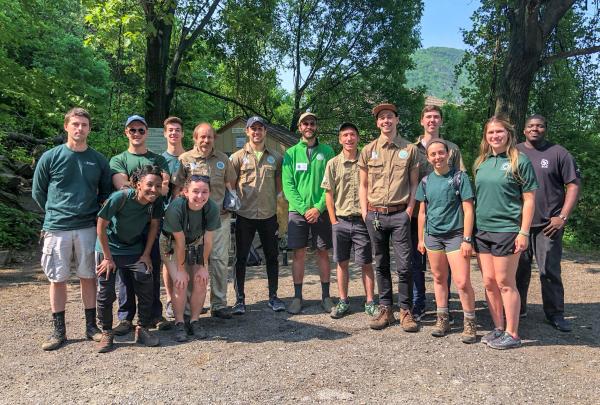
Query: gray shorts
(447,242)
(348,233)
(298,230)
(61,248)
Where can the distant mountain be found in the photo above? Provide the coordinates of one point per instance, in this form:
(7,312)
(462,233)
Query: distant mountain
(434,69)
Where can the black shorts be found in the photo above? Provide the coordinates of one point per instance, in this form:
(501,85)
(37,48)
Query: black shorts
(298,230)
(496,243)
(351,232)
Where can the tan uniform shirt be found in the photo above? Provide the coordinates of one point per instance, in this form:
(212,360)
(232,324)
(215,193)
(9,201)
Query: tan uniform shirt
(216,166)
(342,177)
(256,185)
(454,159)
(388,166)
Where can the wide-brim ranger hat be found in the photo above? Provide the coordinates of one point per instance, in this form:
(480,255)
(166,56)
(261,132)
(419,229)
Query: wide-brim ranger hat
(306,115)
(253,120)
(136,118)
(384,106)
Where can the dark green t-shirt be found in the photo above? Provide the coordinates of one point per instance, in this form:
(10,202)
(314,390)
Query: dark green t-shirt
(444,207)
(179,217)
(128,218)
(69,187)
(128,162)
(499,194)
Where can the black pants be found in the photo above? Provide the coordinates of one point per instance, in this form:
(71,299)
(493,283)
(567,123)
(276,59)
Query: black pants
(395,227)
(548,254)
(245,229)
(142,288)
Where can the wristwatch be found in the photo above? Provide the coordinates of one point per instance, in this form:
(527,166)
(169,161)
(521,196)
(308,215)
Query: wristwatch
(563,217)
(467,239)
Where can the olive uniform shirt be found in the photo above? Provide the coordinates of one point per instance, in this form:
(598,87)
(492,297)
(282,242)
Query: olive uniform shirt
(388,166)
(256,185)
(216,166)
(454,158)
(342,177)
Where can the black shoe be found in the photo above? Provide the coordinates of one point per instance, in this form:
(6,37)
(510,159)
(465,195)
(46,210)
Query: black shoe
(222,313)
(93,333)
(560,323)
(181,332)
(58,336)
(239,308)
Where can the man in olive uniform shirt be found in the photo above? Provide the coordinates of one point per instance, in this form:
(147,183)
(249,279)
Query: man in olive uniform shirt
(204,160)
(258,170)
(389,174)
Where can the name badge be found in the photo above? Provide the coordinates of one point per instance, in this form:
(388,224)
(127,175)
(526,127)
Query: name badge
(301,167)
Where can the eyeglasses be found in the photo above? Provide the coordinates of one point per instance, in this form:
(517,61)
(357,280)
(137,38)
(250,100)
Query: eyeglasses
(132,131)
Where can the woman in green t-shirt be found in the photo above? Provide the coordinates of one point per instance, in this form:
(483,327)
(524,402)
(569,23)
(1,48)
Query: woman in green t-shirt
(185,246)
(445,229)
(505,189)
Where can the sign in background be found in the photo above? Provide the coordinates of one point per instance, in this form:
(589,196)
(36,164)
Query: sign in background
(156,141)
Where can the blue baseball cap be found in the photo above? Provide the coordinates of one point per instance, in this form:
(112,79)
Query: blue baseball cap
(136,118)
(253,120)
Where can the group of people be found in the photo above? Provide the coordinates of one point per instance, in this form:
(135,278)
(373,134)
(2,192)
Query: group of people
(141,217)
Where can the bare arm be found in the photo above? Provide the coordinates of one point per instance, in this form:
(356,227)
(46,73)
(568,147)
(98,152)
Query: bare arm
(208,243)
(107,263)
(152,232)
(557,223)
(421,227)
(414,182)
(181,278)
(120,181)
(330,206)
(362,192)
(522,240)
(164,190)
(467,206)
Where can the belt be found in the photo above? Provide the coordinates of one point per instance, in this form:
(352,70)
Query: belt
(350,217)
(387,210)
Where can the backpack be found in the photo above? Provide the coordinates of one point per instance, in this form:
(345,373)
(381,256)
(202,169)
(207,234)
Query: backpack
(456,182)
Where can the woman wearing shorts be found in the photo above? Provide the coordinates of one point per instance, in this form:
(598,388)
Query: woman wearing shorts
(119,247)
(185,246)
(505,189)
(445,230)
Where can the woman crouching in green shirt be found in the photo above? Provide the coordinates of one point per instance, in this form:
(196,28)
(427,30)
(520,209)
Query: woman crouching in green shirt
(445,231)
(119,247)
(185,246)
(505,188)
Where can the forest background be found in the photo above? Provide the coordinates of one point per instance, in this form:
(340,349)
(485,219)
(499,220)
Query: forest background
(213,60)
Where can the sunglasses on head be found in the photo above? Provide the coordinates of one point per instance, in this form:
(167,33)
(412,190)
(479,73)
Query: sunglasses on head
(199,177)
(132,131)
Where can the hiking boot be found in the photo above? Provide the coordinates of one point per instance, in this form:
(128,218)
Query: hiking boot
(276,304)
(295,307)
(123,328)
(169,310)
(106,343)
(239,308)
(506,341)
(180,332)
(407,321)
(490,336)
(143,336)
(162,323)
(384,318)
(342,308)
(92,332)
(221,313)
(469,334)
(327,304)
(198,330)
(58,336)
(442,325)
(450,319)
(370,308)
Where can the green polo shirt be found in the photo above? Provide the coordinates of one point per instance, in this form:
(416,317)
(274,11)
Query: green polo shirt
(128,162)
(179,218)
(444,207)
(127,220)
(499,194)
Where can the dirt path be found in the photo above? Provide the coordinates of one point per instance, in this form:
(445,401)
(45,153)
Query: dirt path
(276,358)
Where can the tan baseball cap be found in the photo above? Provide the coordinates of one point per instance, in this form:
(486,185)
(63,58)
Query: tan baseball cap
(305,115)
(384,106)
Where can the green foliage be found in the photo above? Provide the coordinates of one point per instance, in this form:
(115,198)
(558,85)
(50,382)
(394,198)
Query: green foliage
(17,229)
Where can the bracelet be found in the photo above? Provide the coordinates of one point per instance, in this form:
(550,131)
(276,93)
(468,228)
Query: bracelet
(524,233)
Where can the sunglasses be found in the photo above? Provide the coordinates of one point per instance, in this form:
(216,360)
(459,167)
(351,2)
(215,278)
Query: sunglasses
(199,177)
(132,131)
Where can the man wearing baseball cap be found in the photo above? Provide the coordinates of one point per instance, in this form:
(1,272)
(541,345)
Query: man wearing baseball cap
(389,174)
(303,169)
(258,170)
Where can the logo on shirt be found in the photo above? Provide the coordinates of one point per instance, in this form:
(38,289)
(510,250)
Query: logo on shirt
(320,156)
(374,155)
(271,159)
(544,163)
(90,163)
(403,154)
(220,165)
(505,166)
(245,160)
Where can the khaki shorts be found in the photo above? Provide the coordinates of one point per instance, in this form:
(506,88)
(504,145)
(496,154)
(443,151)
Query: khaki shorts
(61,248)
(170,260)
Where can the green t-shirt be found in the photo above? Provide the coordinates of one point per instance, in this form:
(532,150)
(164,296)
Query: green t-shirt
(128,218)
(69,187)
(179,217)
(444,207)
(128,162)
(499,194)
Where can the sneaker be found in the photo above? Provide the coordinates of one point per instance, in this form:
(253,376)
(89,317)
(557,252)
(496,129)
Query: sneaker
(295,307)
(106,342)
(407,321)
(327,304)
(143,336)
(370,308)
(490,336)
(559,322)
(276,304)
(163,324)
(221,313)
(418,313)
(384,318)
(180,332)
(92,332)
(506,341)
(123,328)
(198,330)
(169,310)
(342,308)
(442,325)
(239,308)
(469,334)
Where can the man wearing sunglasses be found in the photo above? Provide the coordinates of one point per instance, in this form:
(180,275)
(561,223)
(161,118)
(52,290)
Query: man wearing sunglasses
(122,167)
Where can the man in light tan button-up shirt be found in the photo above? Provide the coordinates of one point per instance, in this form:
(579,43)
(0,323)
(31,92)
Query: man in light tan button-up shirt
(258,170)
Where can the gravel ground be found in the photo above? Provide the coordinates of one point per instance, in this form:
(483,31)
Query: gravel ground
(310,358)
